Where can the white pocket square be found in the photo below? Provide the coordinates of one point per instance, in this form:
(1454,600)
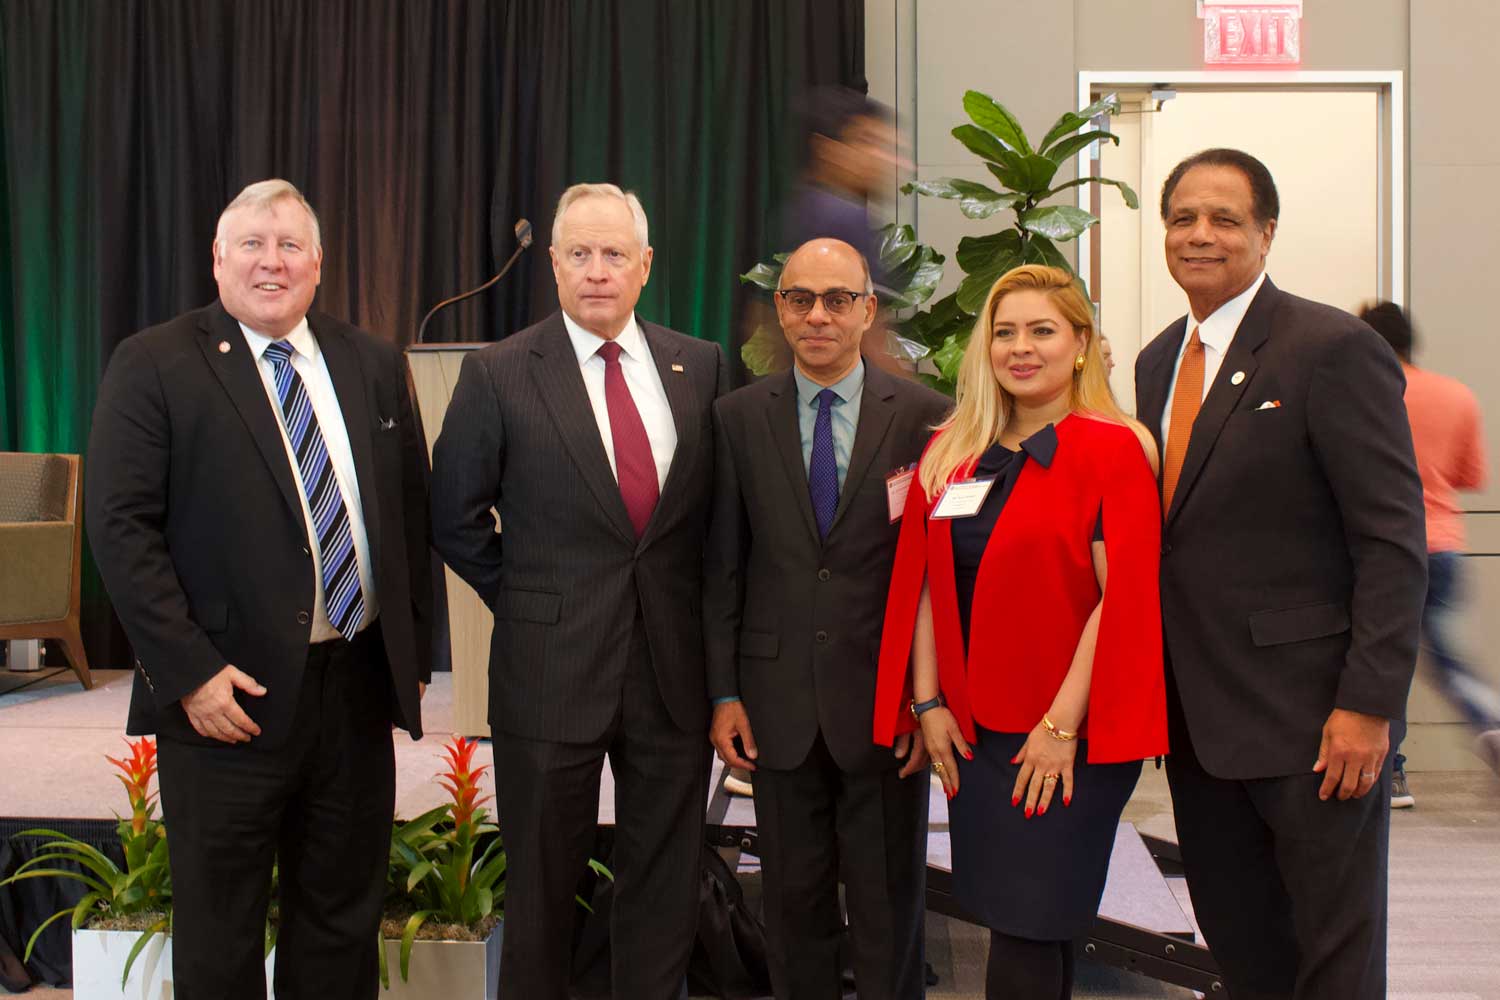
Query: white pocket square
(1269,404)
(386,423)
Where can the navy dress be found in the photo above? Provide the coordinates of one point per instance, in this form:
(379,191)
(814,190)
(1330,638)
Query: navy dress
(1038,878)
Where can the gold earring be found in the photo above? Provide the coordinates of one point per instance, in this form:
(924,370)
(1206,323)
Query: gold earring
(1078,365)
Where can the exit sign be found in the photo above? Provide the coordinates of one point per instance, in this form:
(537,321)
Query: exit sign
(1252,34)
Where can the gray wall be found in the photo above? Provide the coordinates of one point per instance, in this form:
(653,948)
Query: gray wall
(925,53)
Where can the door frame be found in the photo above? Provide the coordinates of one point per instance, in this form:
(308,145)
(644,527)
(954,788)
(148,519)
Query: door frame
(1389,86)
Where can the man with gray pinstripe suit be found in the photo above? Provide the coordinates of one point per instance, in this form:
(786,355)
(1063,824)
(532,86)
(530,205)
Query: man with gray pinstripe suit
(590,434)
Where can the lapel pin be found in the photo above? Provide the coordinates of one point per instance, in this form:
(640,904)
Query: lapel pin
(1236,378)
(223,347)
(677,368)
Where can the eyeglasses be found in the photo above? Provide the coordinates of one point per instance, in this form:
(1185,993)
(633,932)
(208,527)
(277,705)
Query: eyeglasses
(837,301)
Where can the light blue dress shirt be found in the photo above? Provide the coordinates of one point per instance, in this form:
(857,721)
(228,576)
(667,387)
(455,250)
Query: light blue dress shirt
(845,415)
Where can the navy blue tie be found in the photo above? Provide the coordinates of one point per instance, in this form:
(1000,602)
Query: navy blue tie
(341,590)
(823,469)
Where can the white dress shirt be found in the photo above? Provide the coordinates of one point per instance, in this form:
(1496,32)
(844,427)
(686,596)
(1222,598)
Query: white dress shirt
(308,362)
(1215,332)
(644,382)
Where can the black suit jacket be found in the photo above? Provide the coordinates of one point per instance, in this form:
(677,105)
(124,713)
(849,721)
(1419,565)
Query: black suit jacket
(1293,565)
(793,621)
(565,577)
(196,523)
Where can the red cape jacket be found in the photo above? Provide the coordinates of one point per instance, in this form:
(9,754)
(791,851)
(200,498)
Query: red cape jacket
(1035,591)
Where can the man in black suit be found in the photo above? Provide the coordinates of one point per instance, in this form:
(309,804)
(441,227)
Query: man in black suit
(803,538)
(590,435)
(257,507)
(1292,577)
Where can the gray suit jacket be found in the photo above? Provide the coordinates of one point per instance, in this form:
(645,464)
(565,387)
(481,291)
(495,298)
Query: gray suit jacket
(566,576)
(793,621)
(1293,564)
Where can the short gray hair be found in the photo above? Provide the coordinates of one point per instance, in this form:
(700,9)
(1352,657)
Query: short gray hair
(264,194)
(580,191)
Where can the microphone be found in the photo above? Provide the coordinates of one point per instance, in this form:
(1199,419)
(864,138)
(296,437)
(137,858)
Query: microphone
(523,236)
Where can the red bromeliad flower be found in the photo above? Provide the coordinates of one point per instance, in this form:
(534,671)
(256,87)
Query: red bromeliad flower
(462,780)
(136,776)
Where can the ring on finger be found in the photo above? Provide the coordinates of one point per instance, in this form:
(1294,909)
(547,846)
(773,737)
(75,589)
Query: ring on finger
(1372,775)
(1049,777)
(937,767)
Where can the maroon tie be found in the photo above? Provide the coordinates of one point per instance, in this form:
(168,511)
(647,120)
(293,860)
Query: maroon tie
(635,467)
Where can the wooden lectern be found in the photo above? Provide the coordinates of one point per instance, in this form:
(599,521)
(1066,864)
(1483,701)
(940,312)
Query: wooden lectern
(434,373)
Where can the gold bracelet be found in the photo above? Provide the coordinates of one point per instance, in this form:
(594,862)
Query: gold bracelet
(1055,733)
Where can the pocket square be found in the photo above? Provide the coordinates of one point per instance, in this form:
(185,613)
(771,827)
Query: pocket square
(1269,404)
(386,423)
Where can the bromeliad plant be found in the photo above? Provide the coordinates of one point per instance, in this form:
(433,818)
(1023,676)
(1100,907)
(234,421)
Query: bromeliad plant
(142,887)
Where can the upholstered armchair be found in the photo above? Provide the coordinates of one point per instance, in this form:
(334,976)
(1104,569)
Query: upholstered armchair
(41,543)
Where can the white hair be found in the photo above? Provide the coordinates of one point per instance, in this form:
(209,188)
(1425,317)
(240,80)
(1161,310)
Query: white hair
(580,191)
(264,194)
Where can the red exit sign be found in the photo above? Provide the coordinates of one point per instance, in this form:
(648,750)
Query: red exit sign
(1252,35)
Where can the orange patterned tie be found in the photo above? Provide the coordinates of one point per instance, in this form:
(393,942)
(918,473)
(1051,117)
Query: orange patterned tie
(1187,397)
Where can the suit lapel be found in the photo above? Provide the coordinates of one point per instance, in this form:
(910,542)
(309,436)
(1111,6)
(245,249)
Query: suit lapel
(685,407)
(1156,378)
(236,370)
(555,368)
(349,384)
(1224,395)
(875,414)
(781,415)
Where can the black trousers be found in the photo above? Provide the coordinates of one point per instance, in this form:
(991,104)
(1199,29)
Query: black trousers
(819,825)
(1290,891)
(320,807)
(548,799)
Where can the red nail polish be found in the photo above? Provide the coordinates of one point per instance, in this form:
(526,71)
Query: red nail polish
(1067,800)
(1042,811)
(968,755)
(1013,759)
(1028,812)
(1015,800)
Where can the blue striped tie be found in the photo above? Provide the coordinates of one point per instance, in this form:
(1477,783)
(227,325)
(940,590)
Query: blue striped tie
(822,467)
(341,591)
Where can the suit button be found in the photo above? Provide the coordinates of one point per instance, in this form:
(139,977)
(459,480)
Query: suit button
(821,636)
(306,551)
(303,618)
(824,575)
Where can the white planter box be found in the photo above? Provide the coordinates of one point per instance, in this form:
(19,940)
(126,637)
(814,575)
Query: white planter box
(452,970)
(449,970)
(99,961)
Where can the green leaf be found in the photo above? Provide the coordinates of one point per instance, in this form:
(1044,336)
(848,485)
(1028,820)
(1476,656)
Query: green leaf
(977,253)
(67,873)
(160,927)
(1072,121)
(1126,193)
(1040,250)
(982,144)
(762,275)
(992,116)
(385,967)
(418,873)
(1060,153)
(973,290)
(950,356)
(85,909)
(1057,222)
(31,942)
(906,349)
(599,868)
(897,246)
(1028,175)
(764,352)
(408,936)
(946,386)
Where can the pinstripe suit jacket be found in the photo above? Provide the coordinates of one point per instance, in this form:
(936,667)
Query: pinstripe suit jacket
(565,577)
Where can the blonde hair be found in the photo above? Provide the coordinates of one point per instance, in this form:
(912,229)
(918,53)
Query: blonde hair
(982,406)
(263,195)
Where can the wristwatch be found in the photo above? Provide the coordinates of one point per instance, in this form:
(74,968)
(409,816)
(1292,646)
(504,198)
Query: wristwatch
(918,707)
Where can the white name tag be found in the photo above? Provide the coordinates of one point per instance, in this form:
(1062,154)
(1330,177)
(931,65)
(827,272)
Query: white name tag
(962,499)
(897,486)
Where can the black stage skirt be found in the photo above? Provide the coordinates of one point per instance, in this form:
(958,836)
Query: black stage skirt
(1039,878)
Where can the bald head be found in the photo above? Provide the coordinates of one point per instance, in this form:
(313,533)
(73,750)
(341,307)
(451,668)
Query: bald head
(825,305)
(828,253)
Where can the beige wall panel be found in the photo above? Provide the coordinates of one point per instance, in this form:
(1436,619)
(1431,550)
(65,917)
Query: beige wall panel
(1167,34)
(1452,66)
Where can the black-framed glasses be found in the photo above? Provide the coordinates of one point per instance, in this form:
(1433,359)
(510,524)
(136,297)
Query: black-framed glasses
(837,301)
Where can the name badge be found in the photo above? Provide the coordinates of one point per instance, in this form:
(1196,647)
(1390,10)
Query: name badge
(897,486)
(962,499)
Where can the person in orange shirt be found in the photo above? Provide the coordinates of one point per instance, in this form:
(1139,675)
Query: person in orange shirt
(1033,678)
(1447,433)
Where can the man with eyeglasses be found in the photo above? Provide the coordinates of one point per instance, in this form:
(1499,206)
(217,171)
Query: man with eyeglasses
(811,468)
(589,434)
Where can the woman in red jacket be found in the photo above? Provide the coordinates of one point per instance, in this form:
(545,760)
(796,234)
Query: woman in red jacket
(1023,630)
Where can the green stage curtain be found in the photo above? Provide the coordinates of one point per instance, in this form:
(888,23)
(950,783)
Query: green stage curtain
(418,129)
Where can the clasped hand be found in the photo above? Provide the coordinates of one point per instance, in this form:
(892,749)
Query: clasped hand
(214,713)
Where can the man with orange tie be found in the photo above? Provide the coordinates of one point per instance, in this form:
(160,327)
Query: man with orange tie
(590,434)
(1292,577)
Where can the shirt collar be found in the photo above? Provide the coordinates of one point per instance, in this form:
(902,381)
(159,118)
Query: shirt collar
(586,345)
(845,389)
(1217,330)
(301,338)
(1042,446)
